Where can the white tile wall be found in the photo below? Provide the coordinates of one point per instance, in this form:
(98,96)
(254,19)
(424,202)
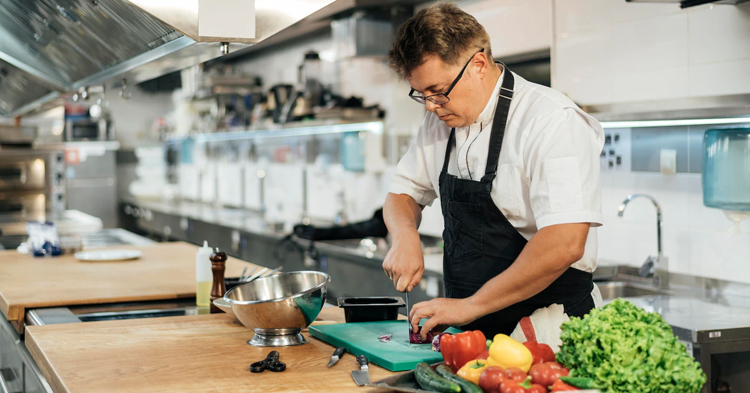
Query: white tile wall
(574,15)
(695,238)
(719,33)
(649,84)
(611,51)
(650,44)
(514,26)
(727,77)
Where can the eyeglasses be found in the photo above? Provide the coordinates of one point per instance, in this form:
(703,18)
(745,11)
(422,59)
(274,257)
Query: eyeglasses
(442,98)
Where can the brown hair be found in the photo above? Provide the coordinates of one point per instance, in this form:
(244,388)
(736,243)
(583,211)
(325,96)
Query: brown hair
(442,29)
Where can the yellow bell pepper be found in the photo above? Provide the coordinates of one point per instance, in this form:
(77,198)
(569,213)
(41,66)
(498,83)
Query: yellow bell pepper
(507,352)
(472,370)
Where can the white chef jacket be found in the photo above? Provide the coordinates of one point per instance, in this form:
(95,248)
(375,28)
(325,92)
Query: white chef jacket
(548,171)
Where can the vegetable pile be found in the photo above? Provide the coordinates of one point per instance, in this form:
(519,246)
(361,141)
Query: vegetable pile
(623,348)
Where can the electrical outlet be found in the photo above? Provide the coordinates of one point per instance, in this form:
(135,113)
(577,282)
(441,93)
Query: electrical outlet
(668,161)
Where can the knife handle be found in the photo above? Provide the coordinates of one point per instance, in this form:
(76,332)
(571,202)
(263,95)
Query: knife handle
(340,351)
(362,360)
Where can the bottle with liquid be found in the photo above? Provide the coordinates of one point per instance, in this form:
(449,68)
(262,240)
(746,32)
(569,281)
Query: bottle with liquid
(203,276)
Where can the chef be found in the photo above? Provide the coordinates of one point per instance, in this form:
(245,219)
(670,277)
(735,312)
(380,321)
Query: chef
(515,166)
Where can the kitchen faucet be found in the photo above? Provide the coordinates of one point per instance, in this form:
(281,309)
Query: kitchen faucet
(655,267)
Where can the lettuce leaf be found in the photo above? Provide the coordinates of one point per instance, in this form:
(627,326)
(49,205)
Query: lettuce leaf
(626,349)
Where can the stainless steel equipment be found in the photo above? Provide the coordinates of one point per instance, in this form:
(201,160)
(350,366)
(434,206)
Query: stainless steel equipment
(50,47)
(278,307)
(92,180)
(32,183)
(717,336)
(89,130)
(18,371)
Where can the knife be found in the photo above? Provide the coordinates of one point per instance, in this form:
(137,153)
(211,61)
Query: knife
(407,310)
(337,354)
(362,376)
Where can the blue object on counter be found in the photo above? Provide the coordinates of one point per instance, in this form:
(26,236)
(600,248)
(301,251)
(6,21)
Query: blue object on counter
(726,168)
(43,239)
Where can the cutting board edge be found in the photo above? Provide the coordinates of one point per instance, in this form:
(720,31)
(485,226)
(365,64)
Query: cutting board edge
(319,333)
(355,350)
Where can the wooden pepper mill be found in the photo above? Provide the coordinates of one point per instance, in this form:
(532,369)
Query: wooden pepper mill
(219,288)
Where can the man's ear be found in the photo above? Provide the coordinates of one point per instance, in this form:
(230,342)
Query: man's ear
(482,64)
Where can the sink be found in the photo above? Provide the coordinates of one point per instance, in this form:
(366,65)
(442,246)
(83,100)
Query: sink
(615,289)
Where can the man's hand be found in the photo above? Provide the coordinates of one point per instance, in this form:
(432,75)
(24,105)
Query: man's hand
(442,312)
(404,264)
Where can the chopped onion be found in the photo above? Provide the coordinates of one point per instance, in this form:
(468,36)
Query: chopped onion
(385,338)
(416,338)
(436,342)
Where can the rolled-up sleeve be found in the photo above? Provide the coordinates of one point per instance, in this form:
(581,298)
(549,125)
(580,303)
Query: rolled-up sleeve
(562,164)
(412,175)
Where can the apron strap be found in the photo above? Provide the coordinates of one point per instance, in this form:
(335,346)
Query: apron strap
(498,124)
(451,140)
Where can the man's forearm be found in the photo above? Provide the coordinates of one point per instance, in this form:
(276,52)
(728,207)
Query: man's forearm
(402,215)
(546,256)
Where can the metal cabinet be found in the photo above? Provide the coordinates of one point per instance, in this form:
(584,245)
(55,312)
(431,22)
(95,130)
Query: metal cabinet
(18,371)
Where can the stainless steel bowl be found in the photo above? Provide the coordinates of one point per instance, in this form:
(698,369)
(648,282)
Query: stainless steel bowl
(278,307)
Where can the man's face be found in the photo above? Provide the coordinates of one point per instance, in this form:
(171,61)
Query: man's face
(435,76)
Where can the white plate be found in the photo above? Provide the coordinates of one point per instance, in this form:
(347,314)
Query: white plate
(107,255)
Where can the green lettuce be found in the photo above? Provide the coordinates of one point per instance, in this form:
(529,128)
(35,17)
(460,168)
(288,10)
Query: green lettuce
(626,349)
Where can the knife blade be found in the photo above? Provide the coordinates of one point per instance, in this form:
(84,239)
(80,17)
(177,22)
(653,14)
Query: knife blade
(407,310)
(337,354)
(362,376)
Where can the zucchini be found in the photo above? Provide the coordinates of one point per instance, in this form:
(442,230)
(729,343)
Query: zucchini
(466,386)
(428,379)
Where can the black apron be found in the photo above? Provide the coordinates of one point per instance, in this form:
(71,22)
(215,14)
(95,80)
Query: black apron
(480,243)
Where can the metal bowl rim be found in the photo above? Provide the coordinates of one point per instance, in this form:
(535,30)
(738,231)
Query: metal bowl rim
(313,289)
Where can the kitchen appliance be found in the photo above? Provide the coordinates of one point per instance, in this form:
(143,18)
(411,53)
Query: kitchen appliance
(88,129)
(32,184)
(717,336)
(726,172)
(361,338)
(278,307)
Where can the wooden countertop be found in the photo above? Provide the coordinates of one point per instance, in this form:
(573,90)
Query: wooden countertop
(204,353)
(164,271)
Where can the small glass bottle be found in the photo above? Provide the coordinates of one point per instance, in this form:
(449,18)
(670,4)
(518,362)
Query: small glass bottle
(203,276)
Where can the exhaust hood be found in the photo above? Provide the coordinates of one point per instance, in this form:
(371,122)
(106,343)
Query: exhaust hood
(49,47)
(691,3)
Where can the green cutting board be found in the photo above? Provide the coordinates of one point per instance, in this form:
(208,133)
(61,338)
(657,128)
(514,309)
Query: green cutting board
(361,338)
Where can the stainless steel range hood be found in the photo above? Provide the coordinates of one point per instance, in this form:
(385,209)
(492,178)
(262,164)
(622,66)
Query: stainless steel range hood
(691,3)
(48,47)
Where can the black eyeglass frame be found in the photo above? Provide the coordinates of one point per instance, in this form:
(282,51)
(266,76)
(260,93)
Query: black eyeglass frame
(431,98)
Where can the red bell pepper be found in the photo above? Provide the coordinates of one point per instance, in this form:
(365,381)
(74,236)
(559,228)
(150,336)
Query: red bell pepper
(541,353)
(525,386)
(546,374)
(459,349)
(560,386)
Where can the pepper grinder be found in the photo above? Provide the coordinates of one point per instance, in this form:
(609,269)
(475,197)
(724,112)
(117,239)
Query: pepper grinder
(219,288)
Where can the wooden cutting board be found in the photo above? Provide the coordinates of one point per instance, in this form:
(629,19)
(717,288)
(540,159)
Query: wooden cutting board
(164,271)
(362,338)
(203,353)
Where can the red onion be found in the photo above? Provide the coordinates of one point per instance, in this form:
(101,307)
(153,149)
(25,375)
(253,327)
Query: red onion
(416,338)
(436,342)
